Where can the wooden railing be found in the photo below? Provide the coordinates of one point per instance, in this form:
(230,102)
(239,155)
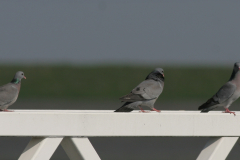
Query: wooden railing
(71,129)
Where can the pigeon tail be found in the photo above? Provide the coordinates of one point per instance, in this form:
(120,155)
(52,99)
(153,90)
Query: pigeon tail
(209,105)
(204,111)
(124,108)
(204,108)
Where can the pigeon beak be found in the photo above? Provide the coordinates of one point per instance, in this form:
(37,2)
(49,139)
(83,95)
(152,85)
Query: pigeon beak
(24,77)
(163,75)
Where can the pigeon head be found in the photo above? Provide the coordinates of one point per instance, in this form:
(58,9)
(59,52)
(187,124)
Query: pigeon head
(236,70)
(157,74)
(18,77)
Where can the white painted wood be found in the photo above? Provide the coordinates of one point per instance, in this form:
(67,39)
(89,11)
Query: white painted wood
(95,123)
(40,148)
(217,148)
(79,149)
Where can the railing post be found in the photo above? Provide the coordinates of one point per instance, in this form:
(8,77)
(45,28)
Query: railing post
(79,149)
(217,148)
(40,148)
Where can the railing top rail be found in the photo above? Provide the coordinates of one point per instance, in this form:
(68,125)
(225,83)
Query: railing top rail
(112,111)
(106,123)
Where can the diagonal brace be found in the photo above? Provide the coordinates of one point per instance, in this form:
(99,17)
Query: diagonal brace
(217,148)
(79,149)
(40,148)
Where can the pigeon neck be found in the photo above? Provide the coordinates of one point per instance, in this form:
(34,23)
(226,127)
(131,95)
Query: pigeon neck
(236,77)
(235,73)
(155,78)
(16,81)
(161,78)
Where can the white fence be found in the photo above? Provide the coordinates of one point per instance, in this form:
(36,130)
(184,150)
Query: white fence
(70,128)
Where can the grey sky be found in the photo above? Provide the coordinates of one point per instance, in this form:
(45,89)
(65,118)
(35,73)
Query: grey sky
(110,31)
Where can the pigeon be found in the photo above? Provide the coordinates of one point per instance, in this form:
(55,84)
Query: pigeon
(227,94)
(145,94)
(9,92)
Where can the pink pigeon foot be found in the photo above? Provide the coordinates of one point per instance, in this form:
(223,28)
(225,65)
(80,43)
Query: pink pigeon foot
(143,110)
(156,110)
(5,110)
(227,111)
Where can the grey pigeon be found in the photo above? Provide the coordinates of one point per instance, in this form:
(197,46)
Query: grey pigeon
(227,94)
(9,92)
(145,94)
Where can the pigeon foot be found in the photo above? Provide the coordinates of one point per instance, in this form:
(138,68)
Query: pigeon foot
(5,110)
(143,110)
(156,110)
(228,111)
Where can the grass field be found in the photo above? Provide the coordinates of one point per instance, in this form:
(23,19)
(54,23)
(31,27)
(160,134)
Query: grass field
(112,82)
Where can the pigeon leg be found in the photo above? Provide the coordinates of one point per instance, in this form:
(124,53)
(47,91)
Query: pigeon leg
(156,110)
(227,111)
(5,110)
(143,110)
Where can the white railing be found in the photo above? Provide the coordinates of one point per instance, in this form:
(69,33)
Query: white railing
(70,128)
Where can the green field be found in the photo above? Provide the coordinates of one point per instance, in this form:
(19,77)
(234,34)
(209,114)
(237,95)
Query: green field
(112,82)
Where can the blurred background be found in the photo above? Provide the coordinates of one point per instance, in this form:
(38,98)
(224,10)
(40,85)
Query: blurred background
(86,54)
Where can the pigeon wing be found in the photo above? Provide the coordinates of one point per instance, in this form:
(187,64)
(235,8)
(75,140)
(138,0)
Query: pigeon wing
(147,90)
(7,94)
(223,94)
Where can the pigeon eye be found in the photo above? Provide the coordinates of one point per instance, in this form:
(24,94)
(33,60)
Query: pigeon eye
(22,73)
